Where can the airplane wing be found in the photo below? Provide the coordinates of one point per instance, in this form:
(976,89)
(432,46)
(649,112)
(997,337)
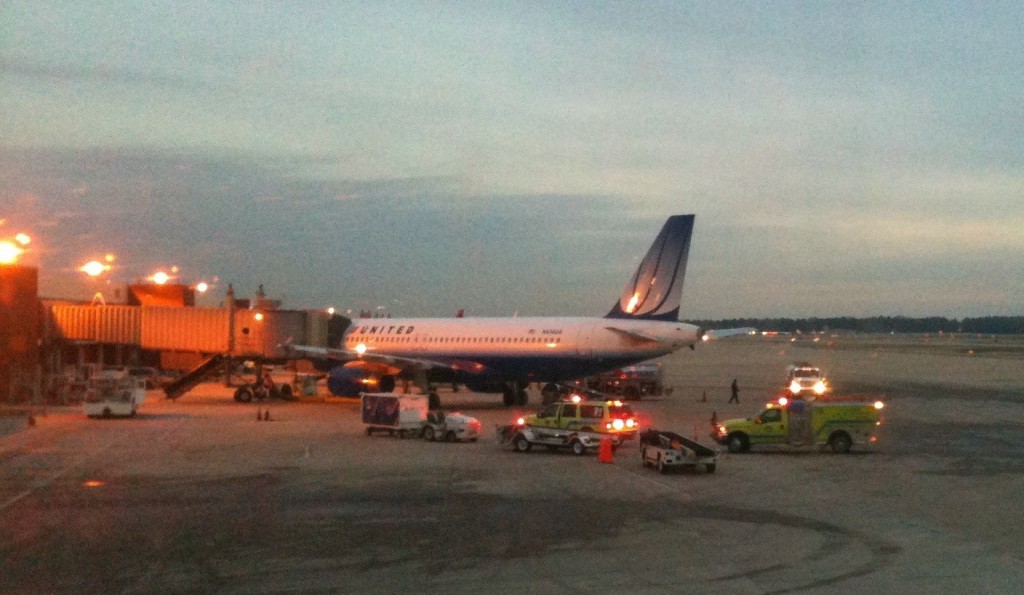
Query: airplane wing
(346,355)
(632,335)
(715,334)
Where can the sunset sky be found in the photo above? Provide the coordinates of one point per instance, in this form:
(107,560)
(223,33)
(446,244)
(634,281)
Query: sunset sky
(841,158)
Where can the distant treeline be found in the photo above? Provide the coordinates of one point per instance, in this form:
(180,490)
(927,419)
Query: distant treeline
(994,325)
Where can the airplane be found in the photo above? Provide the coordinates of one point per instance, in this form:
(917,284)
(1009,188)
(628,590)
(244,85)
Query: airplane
(505,354)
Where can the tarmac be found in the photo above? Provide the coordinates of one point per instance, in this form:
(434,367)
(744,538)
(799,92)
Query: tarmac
(196,495)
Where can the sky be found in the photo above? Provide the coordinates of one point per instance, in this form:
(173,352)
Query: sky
(842,158)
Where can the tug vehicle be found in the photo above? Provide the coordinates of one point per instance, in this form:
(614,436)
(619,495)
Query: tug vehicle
(110,396)
(834,422)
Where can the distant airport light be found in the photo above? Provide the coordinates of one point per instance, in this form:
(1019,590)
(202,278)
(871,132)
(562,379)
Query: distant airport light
(160,278)
(9,252)
(93,483)
(330,310)
(202,286)
(94,268)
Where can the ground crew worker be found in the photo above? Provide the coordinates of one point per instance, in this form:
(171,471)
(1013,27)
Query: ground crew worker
(735,398)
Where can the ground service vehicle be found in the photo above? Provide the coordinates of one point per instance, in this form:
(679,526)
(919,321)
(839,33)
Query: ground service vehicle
(258,391)
(394,413)
(110,396)
(575,423)
(450,427)
(666,451)
(576,414)
(523,438)
(803,379)
(630,382)
(836,423)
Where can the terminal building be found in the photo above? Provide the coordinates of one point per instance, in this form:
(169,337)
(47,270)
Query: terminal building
(45,345)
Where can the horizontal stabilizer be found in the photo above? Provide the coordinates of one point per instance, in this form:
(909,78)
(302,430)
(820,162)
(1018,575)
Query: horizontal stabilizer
(722,333)
(632,335)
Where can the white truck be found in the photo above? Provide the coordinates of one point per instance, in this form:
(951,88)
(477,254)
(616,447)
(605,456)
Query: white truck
(803,378)
(394,413)
(112,396)
(409,415)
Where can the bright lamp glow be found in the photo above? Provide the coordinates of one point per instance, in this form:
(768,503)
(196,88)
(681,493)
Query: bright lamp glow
(9,252)
(94,268)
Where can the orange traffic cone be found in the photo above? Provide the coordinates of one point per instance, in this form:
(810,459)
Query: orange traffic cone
(604,450)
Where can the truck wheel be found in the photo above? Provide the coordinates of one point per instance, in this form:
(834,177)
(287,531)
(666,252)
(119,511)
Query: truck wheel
(578,447)
(710,467)
(521,443)
(428,433)
(285,392)
(243,394)
(661,466)
(643,457)
(106,412)
(737,443)
(450,436)
(840,443)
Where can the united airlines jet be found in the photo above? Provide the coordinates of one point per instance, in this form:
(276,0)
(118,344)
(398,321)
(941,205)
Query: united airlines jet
(508,353)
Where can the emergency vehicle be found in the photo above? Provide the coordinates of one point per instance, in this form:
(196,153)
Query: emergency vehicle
(805,379)
(575,423)
(837,423)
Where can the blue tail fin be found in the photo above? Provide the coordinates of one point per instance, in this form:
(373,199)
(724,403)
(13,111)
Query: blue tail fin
(655,291)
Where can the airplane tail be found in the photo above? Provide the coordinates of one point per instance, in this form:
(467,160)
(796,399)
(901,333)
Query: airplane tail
(655,291)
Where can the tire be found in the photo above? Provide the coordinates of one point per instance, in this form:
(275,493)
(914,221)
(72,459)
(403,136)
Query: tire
(386,384)
(433,401)
(549,394)
(508,398)
(577,447)
(710,467)
(521,444)
(285,393)
(522,399)
(106,412)
(840,443)
(737,443)
(661,466)
(428,433)
(243,394)
(450,437)
(643,457)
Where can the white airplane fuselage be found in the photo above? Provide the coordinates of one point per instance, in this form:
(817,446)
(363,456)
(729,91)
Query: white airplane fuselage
(541,349)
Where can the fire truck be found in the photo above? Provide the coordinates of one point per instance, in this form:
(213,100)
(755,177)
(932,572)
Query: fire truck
(834,422)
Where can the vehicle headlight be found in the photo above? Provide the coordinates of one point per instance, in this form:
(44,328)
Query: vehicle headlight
(819,387)
(794,387)
(631,423)
(618,424)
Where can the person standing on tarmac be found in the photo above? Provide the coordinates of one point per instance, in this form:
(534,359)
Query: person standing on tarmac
(735,398)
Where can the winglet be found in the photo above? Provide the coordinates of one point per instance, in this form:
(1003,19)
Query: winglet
(655,290)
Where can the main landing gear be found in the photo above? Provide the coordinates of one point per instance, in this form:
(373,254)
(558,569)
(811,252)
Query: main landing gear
(514,395)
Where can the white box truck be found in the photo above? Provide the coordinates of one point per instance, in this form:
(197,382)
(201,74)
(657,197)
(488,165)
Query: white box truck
(394,413)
